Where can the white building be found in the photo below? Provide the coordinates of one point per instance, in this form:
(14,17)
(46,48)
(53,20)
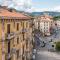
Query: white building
(44,23)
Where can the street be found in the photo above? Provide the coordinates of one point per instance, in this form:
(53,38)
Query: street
(45,55)
(42,52)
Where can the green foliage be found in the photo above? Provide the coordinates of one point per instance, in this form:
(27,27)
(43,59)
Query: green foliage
(58,46)
(56,18)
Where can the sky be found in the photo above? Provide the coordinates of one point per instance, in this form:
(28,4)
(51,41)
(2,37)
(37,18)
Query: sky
(46,5)
(32,5)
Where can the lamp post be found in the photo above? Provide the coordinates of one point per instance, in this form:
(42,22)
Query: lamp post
(3,55)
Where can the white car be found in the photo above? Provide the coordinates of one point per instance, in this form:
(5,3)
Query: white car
(33,57)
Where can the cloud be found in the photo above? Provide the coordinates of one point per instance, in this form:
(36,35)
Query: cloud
(34,9)
(26,5)
(18,4)
(57,8)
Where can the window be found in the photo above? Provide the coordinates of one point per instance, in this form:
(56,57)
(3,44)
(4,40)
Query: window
(13,42)
(17,26)
(44,23)
(17,40)
(26,44)
(17,54)
(26,24)
(23,32)
(23,53)
(21,23)
(41,29)
(8,31)
(14,24)
(44,30)
(44,27)
(47,23)
(23,49)
(8,28)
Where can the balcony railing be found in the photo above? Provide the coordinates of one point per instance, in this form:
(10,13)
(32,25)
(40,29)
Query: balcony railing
(24,30)
(10,36)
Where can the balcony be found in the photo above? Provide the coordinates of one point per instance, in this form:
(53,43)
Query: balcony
(9,36)
(24,30)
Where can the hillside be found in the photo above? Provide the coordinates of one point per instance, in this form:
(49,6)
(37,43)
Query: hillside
(47,12)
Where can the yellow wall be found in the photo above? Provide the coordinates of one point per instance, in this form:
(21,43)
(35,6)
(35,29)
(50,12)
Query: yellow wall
(13,27)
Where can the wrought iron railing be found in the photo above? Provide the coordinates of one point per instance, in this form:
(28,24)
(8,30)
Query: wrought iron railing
(10,36)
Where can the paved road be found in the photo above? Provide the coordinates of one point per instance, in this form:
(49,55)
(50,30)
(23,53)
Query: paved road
(45,55)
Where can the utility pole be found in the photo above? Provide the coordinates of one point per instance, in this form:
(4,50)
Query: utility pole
(3,52)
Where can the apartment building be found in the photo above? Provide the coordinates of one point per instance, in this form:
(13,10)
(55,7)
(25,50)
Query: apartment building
(44,23)
(15,35)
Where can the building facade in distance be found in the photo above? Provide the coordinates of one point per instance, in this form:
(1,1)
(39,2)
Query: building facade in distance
(44,23)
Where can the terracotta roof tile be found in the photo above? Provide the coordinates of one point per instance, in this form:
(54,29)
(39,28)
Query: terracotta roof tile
(6,13)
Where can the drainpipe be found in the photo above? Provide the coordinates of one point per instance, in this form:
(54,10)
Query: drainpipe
(3,52)
(23,32)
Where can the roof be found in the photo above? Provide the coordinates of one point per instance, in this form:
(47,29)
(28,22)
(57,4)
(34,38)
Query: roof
(5,13)
(45,18)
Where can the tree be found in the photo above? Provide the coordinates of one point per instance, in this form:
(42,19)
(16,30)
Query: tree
(58,46)
(56,18)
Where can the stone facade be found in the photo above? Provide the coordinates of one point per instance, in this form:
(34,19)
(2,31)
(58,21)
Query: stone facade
(15,35)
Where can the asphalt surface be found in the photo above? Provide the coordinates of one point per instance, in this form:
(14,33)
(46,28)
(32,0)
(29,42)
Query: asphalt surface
(45,55)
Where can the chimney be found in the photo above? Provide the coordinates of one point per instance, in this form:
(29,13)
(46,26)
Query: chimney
(11,10)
